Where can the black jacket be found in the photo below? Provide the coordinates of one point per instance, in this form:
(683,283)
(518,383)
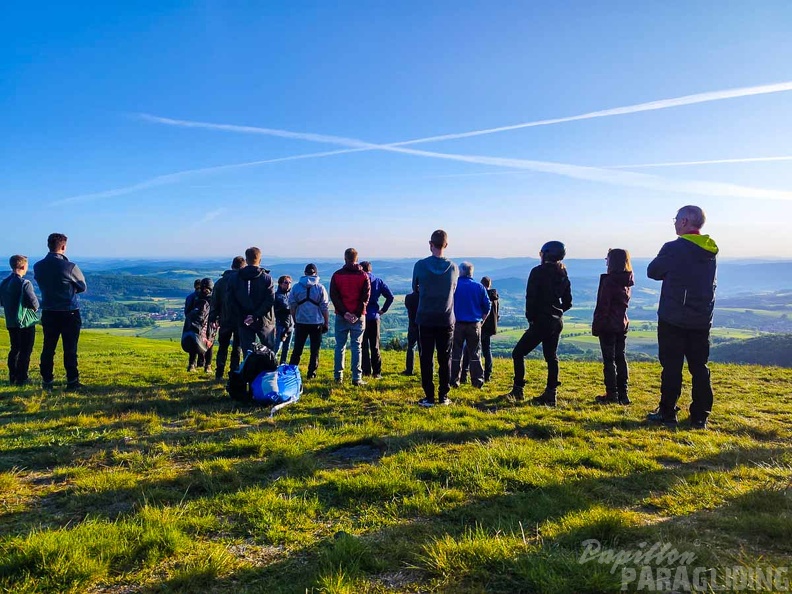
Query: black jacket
(613,298)
(688,270)
(59,281)
(411,303)
(251,292)
(282,312)
(10,292)
(490,325)
(220,311)
(548,294)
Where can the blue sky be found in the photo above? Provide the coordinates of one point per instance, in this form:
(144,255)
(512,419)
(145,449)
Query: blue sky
(79,158)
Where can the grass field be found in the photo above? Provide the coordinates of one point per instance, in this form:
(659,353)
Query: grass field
(153,481)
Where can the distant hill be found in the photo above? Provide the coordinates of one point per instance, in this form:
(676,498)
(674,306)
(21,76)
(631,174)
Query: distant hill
(763,350)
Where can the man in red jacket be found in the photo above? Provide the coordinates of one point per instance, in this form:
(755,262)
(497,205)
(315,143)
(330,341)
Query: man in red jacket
(350,289)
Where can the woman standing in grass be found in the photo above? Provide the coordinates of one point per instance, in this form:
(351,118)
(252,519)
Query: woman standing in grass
(611,324)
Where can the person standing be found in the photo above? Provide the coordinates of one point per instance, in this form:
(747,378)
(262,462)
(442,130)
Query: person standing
(687,267)
(489,327)
(17,295)
(350,290)
(471,308)
(251,297)
(199,330)
(411,304)
(547,296)
(372,358)
(308,302)
(60,281)
(610,324)
(435,280)
(221,314)
(284,323)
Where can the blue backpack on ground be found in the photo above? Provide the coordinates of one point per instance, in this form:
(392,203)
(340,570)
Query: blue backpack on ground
(277,388)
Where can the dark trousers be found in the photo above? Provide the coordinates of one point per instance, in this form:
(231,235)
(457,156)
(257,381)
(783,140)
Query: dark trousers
(249,334)
(283,337)
(204,359)
(486,352)
(614,363)
(301,333)
(676,344)
(547,333)
(22,341)
(412,342)
(439,338)
(65,326)
(467,338)
(372,359)
(224,340)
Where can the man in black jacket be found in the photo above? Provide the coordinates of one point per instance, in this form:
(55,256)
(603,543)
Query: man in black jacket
(490,326)
(16,292)
(59,281)
(229,327)
(251,297)
(687,267)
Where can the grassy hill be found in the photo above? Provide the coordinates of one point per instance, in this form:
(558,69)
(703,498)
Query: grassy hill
(767,350)
(153,481)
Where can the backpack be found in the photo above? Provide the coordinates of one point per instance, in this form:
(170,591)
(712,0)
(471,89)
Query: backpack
(277,388)
(308,299)
(259,360)
(26,317)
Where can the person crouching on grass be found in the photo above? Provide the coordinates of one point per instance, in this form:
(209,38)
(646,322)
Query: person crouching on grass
(547,296)
(610,324)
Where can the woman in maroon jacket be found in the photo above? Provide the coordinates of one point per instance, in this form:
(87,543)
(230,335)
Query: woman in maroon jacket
(611,324)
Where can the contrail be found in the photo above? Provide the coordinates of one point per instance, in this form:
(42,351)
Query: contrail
(711,162)
(608,176)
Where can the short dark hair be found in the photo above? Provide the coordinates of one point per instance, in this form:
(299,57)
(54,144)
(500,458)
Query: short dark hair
(252,256)
(56,241)
(17,262)
(350,255)
(237,262)
(486,281)
(366,266)
(310,270)
(439,239)
(197,284)
(284,278)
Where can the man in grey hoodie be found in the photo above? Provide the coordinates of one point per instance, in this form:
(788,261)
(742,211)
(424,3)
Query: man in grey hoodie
(435,279)
(308,302)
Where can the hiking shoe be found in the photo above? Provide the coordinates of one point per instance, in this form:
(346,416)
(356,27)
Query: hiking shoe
(656,416)
(700,424)
(359,382)
(606,399)
(515,395)
(624,400)
(477,385)
(74,386)
(426,403)
(542,401)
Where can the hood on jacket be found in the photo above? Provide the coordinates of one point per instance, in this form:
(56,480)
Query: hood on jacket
(437,265)
(354,267)
(621,279)
(703,241)
(307,281)
(251,272)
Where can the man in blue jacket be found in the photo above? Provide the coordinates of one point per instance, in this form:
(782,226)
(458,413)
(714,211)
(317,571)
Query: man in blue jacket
(687,267)
(471,307)
(372,359)
(15,291)
(60,281)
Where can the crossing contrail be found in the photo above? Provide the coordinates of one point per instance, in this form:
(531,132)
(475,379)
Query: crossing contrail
(710,162)
(352,147)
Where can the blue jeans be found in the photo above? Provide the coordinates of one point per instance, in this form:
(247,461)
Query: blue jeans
(345,331)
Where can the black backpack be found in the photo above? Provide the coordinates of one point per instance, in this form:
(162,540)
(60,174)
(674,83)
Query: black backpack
(258,360)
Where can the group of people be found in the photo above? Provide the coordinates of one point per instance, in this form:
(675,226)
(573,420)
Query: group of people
(451,318)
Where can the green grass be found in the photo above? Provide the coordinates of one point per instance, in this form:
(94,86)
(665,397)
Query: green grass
(153,480)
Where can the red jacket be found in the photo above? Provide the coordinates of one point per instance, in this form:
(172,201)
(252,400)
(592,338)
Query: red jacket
(613,298)
(350,290)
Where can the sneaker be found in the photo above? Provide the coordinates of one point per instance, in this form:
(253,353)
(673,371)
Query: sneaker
(191,367)
(477,385)
(656,416)
(444,402)
(311,375)
(426,403)
(700,424)
(208,369)
(624,400)
(377,376)
(359,382)
(606,399)
(454,384)
(74,386)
